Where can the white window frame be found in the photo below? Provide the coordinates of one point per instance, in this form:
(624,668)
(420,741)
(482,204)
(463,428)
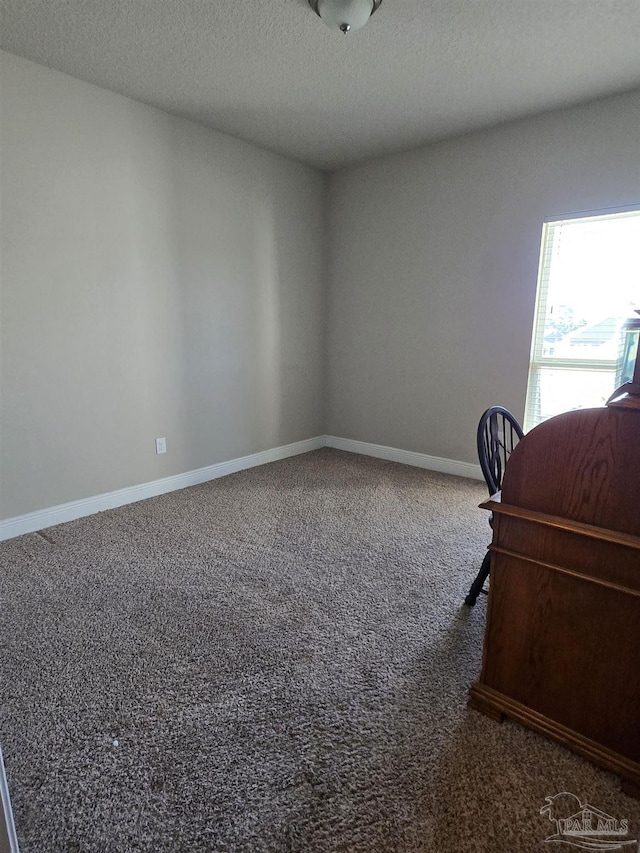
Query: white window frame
(537,361)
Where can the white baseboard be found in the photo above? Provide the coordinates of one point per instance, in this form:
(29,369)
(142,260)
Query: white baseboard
(41,519)
(406,457)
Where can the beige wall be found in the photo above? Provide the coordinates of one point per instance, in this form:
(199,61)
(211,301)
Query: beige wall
(158,279)
(434,257)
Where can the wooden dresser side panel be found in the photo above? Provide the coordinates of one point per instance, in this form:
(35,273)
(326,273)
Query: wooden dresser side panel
(567,648)
(582,465)
(606,562)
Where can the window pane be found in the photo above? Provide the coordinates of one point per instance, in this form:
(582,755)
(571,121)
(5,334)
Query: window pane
(555,391)
(592,286)
(599,341)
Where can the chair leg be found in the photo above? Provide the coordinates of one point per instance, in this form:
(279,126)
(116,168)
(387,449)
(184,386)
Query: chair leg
(477,585)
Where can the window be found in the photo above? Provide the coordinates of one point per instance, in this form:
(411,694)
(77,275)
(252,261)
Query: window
(588,285)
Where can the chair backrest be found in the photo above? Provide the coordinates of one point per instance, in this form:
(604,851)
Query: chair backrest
(498,434)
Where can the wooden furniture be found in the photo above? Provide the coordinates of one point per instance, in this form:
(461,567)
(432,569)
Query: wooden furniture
(562,643)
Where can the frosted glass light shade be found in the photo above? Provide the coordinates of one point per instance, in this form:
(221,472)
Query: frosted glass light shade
(345,15)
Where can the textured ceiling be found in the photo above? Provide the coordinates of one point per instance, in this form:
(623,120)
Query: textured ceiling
(269,71)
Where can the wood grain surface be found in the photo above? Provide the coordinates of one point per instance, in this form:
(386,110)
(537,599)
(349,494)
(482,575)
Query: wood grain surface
(562,643)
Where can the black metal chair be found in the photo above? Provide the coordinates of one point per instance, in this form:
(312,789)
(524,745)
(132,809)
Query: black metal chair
(498,434)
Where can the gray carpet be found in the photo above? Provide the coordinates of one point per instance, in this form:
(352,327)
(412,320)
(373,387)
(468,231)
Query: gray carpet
(273,661)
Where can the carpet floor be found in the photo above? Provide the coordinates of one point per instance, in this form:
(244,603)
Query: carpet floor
(273,661)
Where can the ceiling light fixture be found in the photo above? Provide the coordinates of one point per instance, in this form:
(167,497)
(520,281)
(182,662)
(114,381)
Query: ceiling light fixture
(345,15)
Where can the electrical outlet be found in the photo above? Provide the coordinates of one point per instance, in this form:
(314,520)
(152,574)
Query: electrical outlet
(161,445)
